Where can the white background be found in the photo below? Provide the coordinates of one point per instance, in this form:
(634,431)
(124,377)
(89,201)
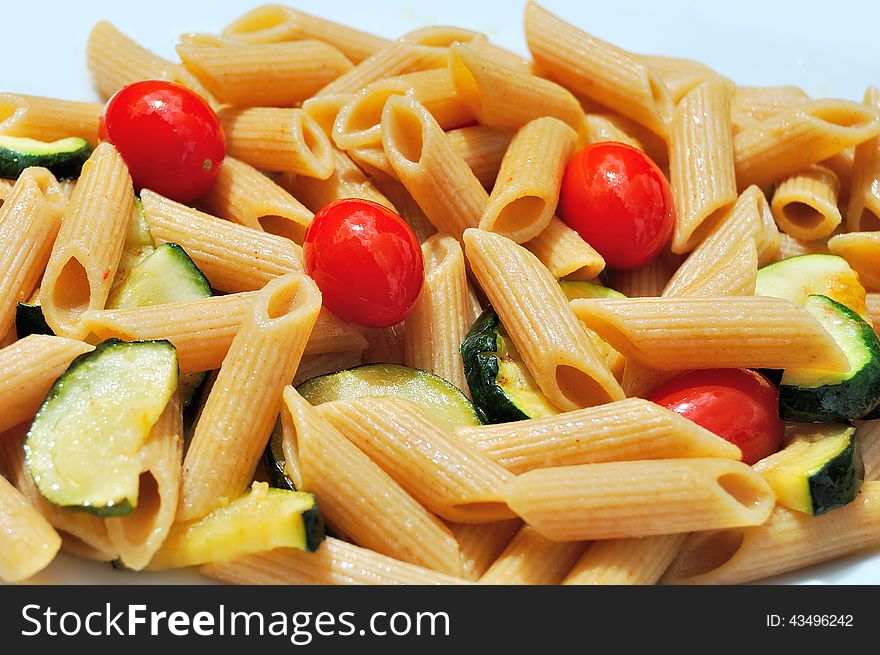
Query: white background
(827,48)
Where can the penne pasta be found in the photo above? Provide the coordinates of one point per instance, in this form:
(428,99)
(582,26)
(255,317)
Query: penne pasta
(615,500)
(734,275)
(531,559)
(788,540)
(565,253)
(534,310)
(482,148)
(863,213)
(481,544)
(48,119)
(791,247)
(805,203)
(625,430)
(335,563)
(868,436)
(232,257)
(639,561)
(28,544)
(525,195)
(441,317)
(312,366)
(725,332)
(750,105)
(86,252)
(645,282)
(860,250)
(385,345)
(602,72)
(244,195)
(359,498)
(680,76)
(238,416)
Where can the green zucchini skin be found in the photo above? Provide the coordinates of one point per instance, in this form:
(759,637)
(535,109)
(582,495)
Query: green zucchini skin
(65,161)
(313,524)
(29,320)
(273,460)
(479,355)
(838,482)
(856,393)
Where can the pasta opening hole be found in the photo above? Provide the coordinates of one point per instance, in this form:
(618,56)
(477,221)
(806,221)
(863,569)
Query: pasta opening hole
(405,132)
(742,489)
(844,116)
(868,221)
(72,289)
(579,388)
(283,227)
(803,215)
(317,144)
(519,214)
(710,553)
(367,112)
(138,525)
(261,25)
(285,299)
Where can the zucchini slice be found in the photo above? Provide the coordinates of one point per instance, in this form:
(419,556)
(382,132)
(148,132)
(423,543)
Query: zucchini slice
(815,396)
(274,461)
(819,470)
(29,319)
(83,448)
(500,384)
(796,278)
(64,158)
(574,289)
(260,520)
(441,399)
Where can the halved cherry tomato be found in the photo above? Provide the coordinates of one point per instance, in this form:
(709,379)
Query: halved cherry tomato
(618,200)
(739,405)
(169,137)
(365,260)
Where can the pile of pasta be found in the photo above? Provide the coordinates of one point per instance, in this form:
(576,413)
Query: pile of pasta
(468,142)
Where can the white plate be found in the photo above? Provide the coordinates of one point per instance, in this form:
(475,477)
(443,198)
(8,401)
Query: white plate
(828,51)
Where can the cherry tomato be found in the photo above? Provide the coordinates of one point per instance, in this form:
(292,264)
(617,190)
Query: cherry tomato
(618,200)
(365,260)
(169,137)
(739,405)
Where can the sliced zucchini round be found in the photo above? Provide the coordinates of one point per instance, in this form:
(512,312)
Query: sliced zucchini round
(820,469)
(815,396)
(501,385)
(260,520)
(64,158)
(83,448)
(442,400)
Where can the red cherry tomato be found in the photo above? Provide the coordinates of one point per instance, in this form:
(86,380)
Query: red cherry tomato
(739,405)
(365,260)
(617,199)
(169,137)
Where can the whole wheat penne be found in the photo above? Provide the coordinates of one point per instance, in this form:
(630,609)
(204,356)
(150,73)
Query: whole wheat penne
(791,247)
(502,97)
(312,366)
(482,148)
(89,243)
(48,119)
(734,275)
(638,379)
(841,164)
(787,541)
(438,179)
(625,430)
(615,500)
(449,478)
(235,423)
(805,203)
(701,170)
(531,559)
(272,23)
(481,544)
(534,310)
(385,345)
(336,562)
(28,368)
(638,561)
(138,535)
(868,437)
(523,200)
(565,253)
(358,123)
(28,544)
(277,139)
(799,137)
(347,181)
(324,109)
(872,300)
(263,74)
(439,321)
(83,528)
(29,220)
(244,195)
(606,126)
(373,158)
(749,218)
(863,212)
(598,70)
(860,250)
(232,257)
(725,332)
(356,495)
(680,75)
(645,282)
(750,105)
